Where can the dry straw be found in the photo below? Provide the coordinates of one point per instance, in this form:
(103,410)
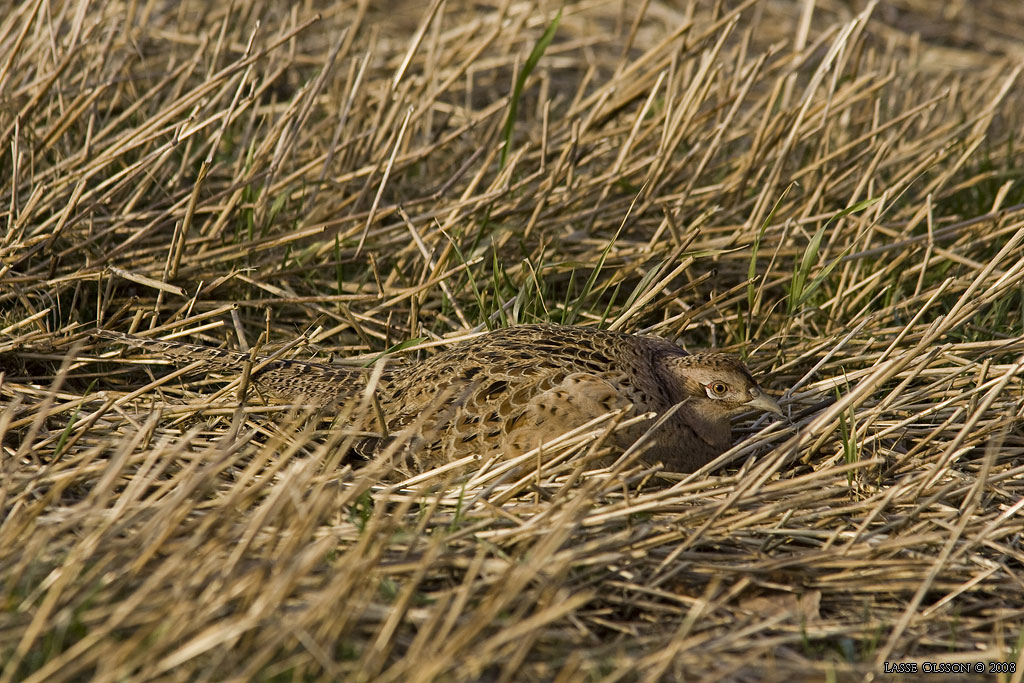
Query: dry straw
(252,174)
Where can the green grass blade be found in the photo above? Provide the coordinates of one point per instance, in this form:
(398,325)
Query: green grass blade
(524,73)
(394,348)
(752,267)
(799,291)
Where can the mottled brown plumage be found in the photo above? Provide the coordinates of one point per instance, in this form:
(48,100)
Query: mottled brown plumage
(512,389)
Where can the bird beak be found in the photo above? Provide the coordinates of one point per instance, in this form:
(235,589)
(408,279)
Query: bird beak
(765,402)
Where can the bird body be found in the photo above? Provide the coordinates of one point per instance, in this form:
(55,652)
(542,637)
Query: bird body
(512,389)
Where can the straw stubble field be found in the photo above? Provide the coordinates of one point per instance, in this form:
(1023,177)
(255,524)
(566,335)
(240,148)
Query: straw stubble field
(831,190)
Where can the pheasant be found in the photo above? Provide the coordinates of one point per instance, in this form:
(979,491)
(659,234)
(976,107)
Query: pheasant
(512,389)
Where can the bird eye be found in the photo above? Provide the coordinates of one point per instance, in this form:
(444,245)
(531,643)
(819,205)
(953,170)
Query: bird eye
(718,388)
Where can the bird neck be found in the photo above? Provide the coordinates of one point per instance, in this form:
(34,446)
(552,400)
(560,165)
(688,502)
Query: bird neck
(714,430)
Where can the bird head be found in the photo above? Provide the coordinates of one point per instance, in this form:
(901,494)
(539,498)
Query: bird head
(716,385)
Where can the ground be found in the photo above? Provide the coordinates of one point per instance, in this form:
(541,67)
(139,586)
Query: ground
(832,191)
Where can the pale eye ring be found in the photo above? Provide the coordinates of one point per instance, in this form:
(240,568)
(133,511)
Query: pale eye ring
(718,388)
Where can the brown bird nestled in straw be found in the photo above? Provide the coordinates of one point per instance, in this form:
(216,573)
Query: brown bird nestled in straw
(508,391)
